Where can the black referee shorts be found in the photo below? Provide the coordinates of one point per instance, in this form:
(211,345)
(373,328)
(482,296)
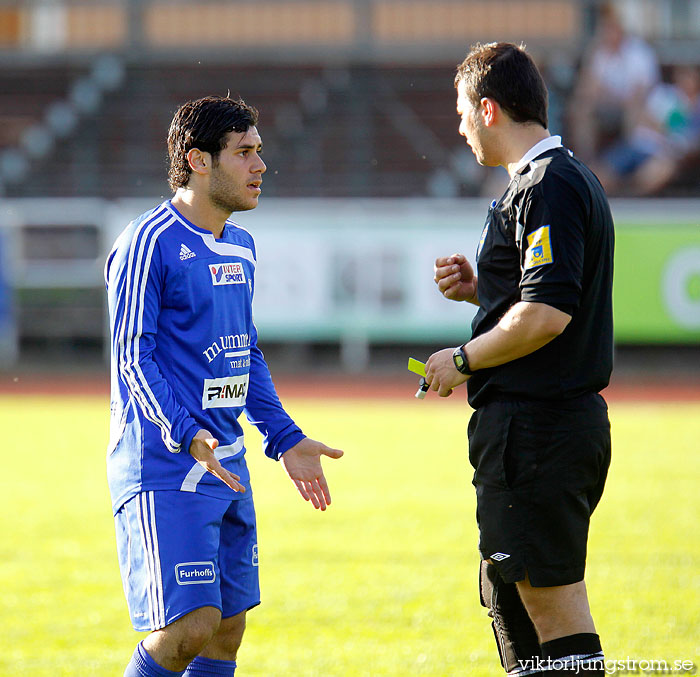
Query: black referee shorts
(540,469)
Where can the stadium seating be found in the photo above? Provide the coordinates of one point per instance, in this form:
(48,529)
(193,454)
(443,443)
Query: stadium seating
(359,131)
(26,92)
(355,96)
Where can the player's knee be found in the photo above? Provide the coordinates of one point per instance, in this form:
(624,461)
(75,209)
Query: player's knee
(188,636)
(230,635)
(204,624)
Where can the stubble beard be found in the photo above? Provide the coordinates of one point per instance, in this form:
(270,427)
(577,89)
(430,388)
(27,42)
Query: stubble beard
(222,195)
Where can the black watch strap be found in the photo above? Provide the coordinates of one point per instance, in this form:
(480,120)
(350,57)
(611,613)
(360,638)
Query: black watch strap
(459,357)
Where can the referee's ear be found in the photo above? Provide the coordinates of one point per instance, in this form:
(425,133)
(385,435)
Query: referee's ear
(489,111)
(199,161)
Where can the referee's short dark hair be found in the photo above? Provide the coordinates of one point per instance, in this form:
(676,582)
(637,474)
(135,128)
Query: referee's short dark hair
(506,73)
(204,124)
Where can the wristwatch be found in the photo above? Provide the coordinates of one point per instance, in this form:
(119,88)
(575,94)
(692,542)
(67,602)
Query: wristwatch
(459,357)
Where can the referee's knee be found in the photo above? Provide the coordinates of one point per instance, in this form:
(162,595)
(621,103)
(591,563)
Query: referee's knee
(557,611)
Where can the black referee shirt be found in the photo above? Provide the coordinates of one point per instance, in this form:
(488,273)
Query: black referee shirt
(549,239)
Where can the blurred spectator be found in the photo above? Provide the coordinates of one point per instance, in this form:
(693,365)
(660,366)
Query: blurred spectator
(616,76)
(664,139)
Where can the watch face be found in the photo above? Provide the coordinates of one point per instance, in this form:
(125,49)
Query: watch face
(460,361)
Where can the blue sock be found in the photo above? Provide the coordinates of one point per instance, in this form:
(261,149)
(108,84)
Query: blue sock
(142,665)
(208,667)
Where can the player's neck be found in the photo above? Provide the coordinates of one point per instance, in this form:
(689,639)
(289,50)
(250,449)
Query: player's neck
(520,140)
(199,210)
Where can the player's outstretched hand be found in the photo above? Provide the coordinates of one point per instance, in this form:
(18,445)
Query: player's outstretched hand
(202,450)
(303,465)
(455,278)
(441,373)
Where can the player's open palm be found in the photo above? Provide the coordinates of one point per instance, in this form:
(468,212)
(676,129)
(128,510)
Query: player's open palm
(202,450)
(455,278)
(303,465)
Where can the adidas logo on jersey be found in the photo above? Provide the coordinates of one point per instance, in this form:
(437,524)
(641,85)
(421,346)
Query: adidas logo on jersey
(186,252)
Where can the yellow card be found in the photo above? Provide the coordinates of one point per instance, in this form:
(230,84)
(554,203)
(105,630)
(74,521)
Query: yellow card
(416,366)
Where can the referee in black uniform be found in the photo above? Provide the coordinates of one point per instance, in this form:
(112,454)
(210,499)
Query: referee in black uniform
(540,352)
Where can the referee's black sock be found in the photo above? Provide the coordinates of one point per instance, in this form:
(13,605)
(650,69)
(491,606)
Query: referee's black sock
(573,655)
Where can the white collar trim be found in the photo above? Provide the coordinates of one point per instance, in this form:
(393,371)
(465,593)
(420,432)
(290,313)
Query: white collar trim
(221,248)
(543,146)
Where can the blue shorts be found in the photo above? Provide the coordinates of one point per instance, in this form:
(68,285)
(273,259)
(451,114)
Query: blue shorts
(180,551)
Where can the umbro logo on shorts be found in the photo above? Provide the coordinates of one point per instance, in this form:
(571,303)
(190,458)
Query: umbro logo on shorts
(499,556)
(190,573)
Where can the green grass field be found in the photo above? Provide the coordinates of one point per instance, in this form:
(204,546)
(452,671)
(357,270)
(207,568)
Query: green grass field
(384,583)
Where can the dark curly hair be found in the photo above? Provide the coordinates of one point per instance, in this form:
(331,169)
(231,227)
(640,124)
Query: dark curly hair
(204,124)
(506,73)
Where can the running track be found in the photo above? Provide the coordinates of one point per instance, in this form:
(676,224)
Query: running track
(324,386)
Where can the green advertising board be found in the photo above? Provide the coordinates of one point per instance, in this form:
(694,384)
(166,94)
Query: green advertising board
(657,283)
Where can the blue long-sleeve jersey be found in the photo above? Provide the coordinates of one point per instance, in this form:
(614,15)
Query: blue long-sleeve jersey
(185,356)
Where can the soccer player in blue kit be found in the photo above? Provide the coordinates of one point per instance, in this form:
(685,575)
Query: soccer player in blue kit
(185,365)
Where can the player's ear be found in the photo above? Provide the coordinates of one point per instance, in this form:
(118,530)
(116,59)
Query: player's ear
(199,160)
(489,111)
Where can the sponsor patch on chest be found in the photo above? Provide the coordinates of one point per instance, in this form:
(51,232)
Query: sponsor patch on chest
(539,249)
(229,391)
(227,273)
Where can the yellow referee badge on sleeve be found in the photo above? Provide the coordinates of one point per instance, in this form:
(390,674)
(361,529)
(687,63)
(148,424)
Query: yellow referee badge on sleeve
(539,249)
